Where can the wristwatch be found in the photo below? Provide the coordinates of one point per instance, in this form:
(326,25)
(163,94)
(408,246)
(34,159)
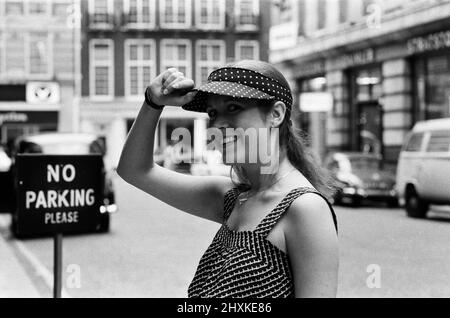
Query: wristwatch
(149,101)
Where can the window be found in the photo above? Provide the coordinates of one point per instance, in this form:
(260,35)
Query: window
(100,11)
(14,7)
(247,14)
(39,53)
(101,62)
(439,141)
(37,7)
(343,10)
(414,143)
(210,56)
(14,54)
(247,50)
(140,66)
(322,14)
(175,13)
(210,14)
(177,53)
(140,13)
(59,10)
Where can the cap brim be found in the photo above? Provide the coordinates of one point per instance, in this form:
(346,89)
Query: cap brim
(223,88)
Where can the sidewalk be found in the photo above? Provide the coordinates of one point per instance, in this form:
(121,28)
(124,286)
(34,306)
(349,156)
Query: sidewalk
(14,281)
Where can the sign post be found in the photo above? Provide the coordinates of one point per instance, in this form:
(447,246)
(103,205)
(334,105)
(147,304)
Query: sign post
(57,265)
(58,194)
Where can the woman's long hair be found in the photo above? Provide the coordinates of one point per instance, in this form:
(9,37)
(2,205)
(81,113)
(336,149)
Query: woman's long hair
(291,139)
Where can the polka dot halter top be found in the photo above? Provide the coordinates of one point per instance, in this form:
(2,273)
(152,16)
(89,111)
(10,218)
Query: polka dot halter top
(242,264)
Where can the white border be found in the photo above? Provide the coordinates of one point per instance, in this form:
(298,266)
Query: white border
(210,63)
(2,54)
(246,27)
(141,25)
(187,63)
(140,63)
(93,64)
(210,26)
(175,25)
(240,43)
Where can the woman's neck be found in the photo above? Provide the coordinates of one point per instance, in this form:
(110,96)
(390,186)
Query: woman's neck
(259,180)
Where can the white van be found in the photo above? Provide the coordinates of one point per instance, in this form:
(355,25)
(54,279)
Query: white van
(423,170)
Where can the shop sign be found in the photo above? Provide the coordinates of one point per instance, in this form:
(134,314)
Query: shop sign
(28,117)
(354,59)
(430,42)
(309,69)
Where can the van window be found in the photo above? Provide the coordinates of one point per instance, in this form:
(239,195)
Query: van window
(439,141)
(414,142)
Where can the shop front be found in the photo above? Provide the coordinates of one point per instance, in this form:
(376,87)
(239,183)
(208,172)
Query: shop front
(18,123)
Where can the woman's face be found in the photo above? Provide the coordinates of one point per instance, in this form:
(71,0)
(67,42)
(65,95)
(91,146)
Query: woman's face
(243,125)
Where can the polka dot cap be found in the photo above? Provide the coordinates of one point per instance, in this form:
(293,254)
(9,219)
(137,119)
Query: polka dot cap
(239,83)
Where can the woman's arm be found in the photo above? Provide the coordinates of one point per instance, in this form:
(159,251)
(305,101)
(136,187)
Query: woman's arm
(200,196)
(312,247)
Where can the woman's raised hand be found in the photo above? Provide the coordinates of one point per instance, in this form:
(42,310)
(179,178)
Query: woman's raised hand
(171,88)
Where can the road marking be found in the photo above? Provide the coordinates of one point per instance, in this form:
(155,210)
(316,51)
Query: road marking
(37,265)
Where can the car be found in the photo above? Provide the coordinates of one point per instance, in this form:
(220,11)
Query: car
(360,176)
(423,170)
(65,144)
(5,181)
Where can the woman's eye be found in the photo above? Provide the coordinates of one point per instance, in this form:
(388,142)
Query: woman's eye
(212,113)
(233,107)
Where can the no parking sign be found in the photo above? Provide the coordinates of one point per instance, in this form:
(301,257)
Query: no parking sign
(58,193)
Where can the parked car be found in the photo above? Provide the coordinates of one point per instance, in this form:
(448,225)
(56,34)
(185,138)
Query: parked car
(423,170)
(360,176)
(5,181)
(66,144)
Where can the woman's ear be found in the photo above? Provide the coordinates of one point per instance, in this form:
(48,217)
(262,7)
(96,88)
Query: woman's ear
(277,114)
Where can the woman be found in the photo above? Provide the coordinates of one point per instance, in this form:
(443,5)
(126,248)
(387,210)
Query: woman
(279,233)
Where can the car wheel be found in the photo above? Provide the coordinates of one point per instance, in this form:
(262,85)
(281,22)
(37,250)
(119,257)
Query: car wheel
(415,207)
(392,203)
(104,225)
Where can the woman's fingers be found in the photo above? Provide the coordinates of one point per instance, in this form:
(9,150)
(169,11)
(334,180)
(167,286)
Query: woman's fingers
(179,85)
(172,88)
(169,80)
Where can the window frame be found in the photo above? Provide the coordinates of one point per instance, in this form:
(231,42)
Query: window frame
(47,13)
(93,64)
(177,41)
(140,63)
(210,26)
(211,64)
(91,11)
(256,12)
(27,46)
(175,25)
(240,43)
(3,7)
(140,24)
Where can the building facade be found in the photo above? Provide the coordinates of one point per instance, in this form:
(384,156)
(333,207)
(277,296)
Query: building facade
(385,63)
(127,43)
(37,80)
